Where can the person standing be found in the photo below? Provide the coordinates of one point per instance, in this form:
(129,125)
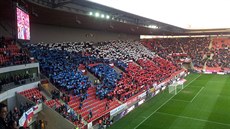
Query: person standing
(12,124)
(3,114)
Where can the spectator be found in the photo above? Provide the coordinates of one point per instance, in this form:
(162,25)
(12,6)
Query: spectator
(79,118)
(3,114)
(90,114)
(12,124)
(1,83)
(107,105)
(80,105)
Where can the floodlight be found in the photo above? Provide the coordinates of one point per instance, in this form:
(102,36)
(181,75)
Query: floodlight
(90,13)
(97,14)
(107,17)
(102,15)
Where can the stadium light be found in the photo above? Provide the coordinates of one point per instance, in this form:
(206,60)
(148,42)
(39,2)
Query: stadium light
(153,26)
(102,16)
(97,14)
(91,13)
(107,17)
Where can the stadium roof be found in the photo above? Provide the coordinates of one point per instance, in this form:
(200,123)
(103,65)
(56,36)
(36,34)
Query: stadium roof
(76,13)
(188,14)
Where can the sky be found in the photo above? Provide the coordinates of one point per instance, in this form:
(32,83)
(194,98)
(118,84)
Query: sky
(188,14)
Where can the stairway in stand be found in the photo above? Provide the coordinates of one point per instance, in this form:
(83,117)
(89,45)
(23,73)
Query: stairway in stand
(210,44)
(97,106)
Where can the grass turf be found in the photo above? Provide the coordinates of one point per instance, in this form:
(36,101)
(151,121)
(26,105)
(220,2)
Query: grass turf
(204,103)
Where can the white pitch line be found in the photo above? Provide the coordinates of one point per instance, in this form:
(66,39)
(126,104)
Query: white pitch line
(197,94)
(164,103)
(180,100)
(197,119)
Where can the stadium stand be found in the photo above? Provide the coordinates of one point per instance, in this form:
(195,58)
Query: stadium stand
(11,54)
(34,95)
(77,90)
(219,53)
(93,76)
(196,48)
(60,62)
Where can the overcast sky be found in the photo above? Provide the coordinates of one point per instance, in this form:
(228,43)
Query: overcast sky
(189,14)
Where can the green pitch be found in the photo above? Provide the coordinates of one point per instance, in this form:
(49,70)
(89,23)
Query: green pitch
(204,103)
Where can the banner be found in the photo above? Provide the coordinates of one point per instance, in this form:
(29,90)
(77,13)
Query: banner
(131,101)
(157,91)
(130,109)
(163,88)
(181,81)
(22,120)
(29,114)
(141,102)
(90,125)
(142,95)
(118,109)
(221,73)
(160,85)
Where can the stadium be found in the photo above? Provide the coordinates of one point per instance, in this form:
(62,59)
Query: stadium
(117,64)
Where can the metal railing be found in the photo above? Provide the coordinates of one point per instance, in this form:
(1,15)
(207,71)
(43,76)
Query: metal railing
(12,85)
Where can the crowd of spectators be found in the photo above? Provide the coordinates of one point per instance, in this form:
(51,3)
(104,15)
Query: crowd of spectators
(55,94)
(69,114)
(11,54)
(220,51)
(15,78)
(60,61)
(105,122)
(108,77)
(121,50)
(196,48)
(62,69)
(9,120)
(63,109)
